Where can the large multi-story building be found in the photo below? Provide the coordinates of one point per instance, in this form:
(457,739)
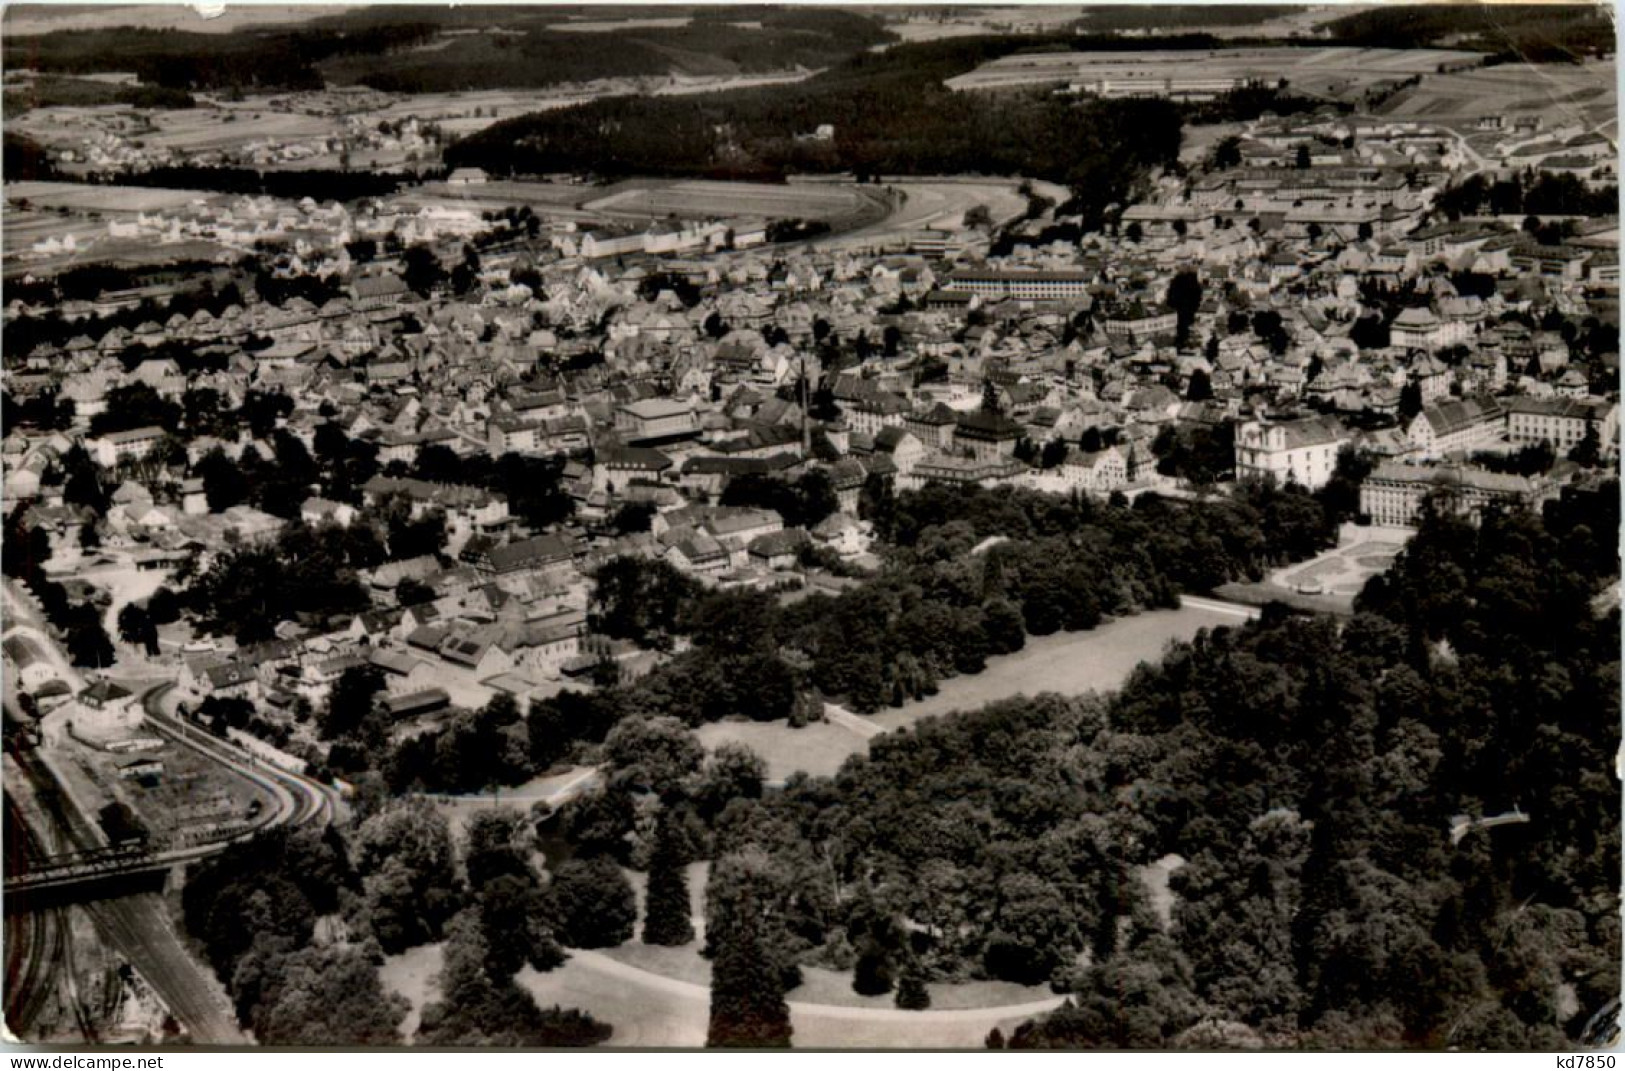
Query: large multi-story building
(657,419)
(1139,322)
(117,447)
(1457,425)
(1394,491)
(1296,451)
(948,468)
(1562,422)
(987,436)
(1022,285)
(1151,84)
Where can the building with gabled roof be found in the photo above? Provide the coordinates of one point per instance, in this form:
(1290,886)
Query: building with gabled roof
(1456,426)
(1297,451)
(1393,492)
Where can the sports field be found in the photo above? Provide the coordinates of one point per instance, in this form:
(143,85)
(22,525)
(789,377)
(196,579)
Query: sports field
(704,200)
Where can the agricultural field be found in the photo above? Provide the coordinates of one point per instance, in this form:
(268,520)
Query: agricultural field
(1337,72)
(101,199)
(1561,93)
(611,25)
(230,127)
(455,112)
(971,21)
(63,210)
(190,130)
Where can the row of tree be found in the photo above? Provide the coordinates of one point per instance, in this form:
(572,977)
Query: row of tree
(297,923)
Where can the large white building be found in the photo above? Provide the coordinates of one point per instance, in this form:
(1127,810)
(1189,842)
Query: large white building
(1022,285)
(1297,451)
(119,446)
(1392,494)
(1562,422)
(1456,426)
(656,418)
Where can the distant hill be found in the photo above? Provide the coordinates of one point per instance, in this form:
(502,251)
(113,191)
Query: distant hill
(1101,18)
(432,49)
(1539,33)
(616,43)
(890,112)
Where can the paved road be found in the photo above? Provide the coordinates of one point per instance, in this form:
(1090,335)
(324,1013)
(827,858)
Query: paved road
(1220,606)
(816,1024)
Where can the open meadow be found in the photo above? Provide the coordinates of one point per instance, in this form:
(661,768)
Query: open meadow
(78,197)
(1070,663)
(234,126)
(819,748)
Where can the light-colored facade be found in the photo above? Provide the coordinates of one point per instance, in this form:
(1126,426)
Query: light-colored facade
(656,418)
(1299,451)
(1393,493)
(1562,422)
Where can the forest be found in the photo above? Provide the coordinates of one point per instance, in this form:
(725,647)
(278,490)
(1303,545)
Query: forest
(377,48)
(1321,778)
(51,91)
(262,59)
(936,611)
(394,880)
(1532,33)
(891,114)
(715,42)
(1098,18)
(320,184)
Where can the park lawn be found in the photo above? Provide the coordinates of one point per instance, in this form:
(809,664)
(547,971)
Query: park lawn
(413,975)
(1070,663)
(818,749)
(823,986)
(643,1015)
(682,962)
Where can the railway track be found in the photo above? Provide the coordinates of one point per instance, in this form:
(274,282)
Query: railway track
(36,951)
(37,942)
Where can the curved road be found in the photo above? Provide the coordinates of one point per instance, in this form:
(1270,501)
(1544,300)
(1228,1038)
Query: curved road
(603,964)
(139,927)
(651,1010)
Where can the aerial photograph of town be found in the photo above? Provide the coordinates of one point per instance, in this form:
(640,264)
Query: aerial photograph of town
(905,527)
